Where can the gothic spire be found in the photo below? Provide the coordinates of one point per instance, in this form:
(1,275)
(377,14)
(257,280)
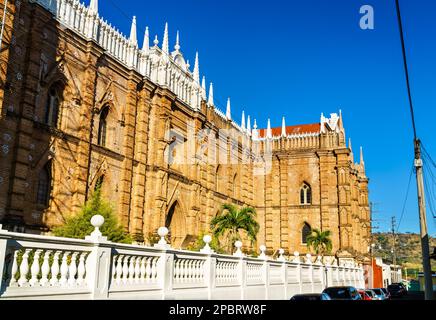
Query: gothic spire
(243,121)
(248,125)
(210,101)
(196,69)
(94,6)
(283,127)
(255,132)
(228,110)
(269,131)
(146,45)
(133,33)
(165,42)
(177,46)
(350,146)
(362,162)
(203,88)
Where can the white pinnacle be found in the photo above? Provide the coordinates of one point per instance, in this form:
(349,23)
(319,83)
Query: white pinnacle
(243,121)
(156,41)
(146,45)
(203,88)
(196,69)
(228,110)
(133,33)
(248,125)
(269,131)
(165,42)
(351,148)
(177,46)
(93,6)
(362,162)
(255,133)
(210,101)
(283,127)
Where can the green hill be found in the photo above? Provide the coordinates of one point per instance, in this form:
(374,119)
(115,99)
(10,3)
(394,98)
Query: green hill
(408,250)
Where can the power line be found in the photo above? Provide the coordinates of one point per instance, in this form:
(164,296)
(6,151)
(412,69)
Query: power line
(406,69)
(405,201)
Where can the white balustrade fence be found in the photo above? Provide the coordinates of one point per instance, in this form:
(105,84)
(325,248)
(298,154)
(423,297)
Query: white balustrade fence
(38,267)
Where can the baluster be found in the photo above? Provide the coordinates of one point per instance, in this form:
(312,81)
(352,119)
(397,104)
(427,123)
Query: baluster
(154,269)
(24,268)
(45,269)
(148,262)
(143,269)
(176,271)
(126,269)
(119,269)
(81,269)
(35,269)
(114,267)
(64,268)
(14,269)
(132,269)
(72,270)
(55,269)
(191,268)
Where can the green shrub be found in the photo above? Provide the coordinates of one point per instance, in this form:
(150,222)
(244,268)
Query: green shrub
(79,227)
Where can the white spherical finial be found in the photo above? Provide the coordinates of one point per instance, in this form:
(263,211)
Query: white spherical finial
(296,254)
(281,251)
(207,239)
(262,248)
(97,221)
(238,244)
(162,232)
(262,252)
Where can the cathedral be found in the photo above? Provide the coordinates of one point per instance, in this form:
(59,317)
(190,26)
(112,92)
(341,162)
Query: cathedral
(83,105)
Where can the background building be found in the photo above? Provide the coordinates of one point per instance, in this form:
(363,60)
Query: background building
(81,104)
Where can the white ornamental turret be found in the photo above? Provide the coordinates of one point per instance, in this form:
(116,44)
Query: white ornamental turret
(228,110)
(165,42)
(210,101)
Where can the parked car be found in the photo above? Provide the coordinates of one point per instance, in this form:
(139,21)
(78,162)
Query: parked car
(379,293)
(311,297)
(343,293)
(397,290)
(364,295)
(371,294)
(387,294)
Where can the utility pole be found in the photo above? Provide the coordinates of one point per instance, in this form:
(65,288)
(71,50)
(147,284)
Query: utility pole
(425,247)
(423,223)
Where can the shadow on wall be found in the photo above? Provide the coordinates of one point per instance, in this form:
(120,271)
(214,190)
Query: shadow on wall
(33,102)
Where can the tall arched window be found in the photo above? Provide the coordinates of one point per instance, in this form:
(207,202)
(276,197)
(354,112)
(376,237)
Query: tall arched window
(102,127)
(235,186)
(307,230)
(217,178)
(44,185)
(52,107)
(305,195)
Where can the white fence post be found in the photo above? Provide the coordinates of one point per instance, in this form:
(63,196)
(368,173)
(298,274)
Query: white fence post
(98,264)
(209,267)
(3,248)
(165,266)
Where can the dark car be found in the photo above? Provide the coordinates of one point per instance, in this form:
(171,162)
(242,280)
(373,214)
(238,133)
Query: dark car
(343,293)
(311,297)
(386,292)
(397,290)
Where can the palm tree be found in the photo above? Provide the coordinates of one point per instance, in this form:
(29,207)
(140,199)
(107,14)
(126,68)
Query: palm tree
(230,221)
(320,241)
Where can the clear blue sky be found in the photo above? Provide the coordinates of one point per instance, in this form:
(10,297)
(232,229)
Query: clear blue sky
(300,58)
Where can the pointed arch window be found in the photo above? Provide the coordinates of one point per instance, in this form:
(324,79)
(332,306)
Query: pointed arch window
(44,185)
(217,178)
(235,186)
(306,194)
(305,232)
(52,107)
(102,127)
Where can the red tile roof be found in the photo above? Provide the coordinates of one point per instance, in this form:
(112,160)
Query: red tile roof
(299,129)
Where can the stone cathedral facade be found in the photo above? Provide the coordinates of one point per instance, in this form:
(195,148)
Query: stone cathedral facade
(82,105)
